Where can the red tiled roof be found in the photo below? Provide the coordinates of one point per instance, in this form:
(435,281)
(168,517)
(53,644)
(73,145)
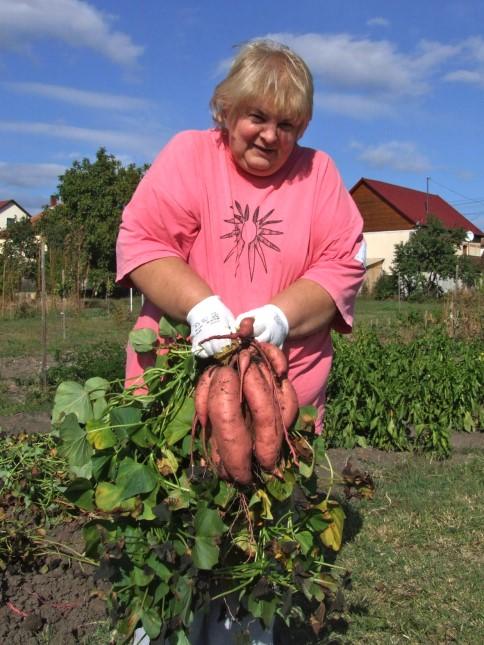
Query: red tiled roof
(412,204)
(5,202)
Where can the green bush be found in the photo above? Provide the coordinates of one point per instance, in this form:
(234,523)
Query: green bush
(385,287)
(403,394)
(106,360)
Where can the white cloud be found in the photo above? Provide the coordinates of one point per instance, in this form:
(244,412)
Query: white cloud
(86,98)
(344,61)
(29,175)
(73,21)
(357,106)
(108,138)
(474,77)
(364,77)
(378,21)
(473,57)
(398,155)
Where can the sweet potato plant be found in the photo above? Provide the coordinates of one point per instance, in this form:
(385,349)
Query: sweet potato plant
(170,534)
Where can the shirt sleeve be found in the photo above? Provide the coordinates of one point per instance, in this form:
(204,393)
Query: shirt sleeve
(163,218)
(338,247)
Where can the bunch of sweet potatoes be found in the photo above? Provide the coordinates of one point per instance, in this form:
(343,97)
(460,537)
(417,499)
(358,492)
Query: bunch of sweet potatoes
(245,406)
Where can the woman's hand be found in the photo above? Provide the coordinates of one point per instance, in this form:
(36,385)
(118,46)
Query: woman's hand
(210,317)
(270,324)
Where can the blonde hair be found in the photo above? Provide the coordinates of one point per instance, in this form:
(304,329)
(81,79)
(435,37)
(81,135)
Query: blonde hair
(268,73)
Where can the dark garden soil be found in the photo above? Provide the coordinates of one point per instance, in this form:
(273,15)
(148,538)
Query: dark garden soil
(53,599)
(56,600)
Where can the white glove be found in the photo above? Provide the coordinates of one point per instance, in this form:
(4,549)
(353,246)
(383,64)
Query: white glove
(210,317)
(270,324)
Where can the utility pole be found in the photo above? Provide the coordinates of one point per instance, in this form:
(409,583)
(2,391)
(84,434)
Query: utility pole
(427,198)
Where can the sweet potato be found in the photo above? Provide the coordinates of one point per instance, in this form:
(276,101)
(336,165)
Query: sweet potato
(264,413)
(276,358)
(217,460)
(243,360)
(289,405)
(201,395)
(231,434)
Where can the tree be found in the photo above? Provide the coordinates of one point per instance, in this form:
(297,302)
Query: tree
(82,229)
(427,257)
(18,257)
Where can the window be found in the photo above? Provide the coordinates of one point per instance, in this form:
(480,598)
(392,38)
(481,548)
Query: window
(10,221)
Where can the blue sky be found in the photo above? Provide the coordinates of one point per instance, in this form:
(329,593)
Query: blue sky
(399,85)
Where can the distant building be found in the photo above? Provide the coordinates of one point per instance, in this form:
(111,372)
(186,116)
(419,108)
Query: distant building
(391,213)
(11,212)
(38,216)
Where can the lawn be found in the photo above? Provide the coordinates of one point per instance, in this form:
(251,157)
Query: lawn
(95,324)
(92,325)
(416,556)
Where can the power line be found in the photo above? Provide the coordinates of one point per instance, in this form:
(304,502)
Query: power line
(455,192)
(467,202)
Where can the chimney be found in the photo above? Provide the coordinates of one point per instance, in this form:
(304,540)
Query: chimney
(53,201)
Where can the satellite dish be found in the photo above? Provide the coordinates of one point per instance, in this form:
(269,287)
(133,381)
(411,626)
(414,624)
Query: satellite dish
(469,236)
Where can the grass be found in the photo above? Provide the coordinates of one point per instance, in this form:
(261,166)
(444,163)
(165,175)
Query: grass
(368,310)
(94,338)
(22,336)
(415,553)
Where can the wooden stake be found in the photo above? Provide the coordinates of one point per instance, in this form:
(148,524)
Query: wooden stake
(43,300)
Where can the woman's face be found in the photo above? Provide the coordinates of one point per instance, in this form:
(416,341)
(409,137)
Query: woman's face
(262,141)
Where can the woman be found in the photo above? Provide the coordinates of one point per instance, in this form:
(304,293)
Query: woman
(241,220)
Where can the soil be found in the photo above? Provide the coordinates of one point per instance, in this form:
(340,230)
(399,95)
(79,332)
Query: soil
(57,601)
(54,600)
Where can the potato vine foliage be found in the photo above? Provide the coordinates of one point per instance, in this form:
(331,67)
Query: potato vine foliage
(398,395)
(167,533)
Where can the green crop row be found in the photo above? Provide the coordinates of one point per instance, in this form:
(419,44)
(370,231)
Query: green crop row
(402,395)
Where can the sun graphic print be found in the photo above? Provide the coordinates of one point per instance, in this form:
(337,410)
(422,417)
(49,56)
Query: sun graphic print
(250,233)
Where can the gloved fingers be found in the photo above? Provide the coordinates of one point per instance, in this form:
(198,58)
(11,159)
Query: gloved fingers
(246,314)
(210,347)
(208,318)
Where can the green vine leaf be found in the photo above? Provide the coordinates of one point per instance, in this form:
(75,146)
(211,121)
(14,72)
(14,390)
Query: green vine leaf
(109,498)
(71,397)
(142,340)
(96,387)
(134,478)
(172,329)
(125,420)
(181,424)
(281,490)
(151,622)
(205,553)
(99,435)
(208,523)
(80,492)
(75,447)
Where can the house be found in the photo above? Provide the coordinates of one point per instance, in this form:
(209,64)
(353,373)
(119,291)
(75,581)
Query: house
(11,212)
(391,213)
(38,216)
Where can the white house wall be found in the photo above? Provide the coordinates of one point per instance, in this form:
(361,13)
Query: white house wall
(11,211)
(381,244)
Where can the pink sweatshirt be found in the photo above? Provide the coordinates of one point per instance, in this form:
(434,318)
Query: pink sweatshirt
(249,237)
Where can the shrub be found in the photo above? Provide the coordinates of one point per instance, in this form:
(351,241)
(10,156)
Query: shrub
(403,395)
(385,287)
(106,360)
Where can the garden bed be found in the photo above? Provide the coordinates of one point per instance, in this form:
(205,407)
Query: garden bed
(55,599)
